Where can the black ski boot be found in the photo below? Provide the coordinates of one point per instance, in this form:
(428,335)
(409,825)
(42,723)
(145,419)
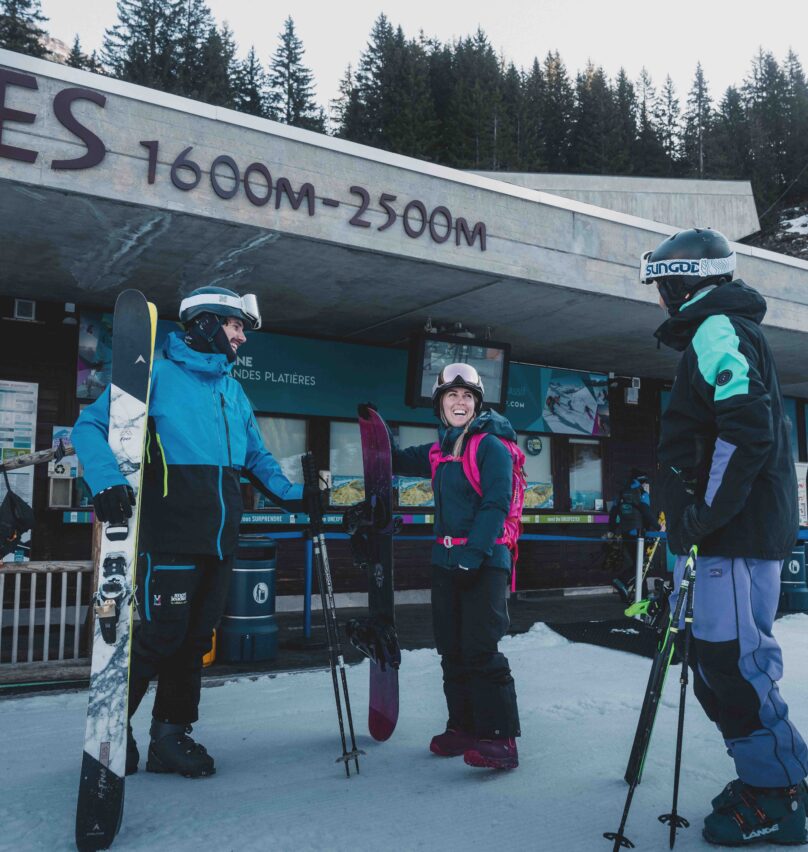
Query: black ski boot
(172,750)
(132,754)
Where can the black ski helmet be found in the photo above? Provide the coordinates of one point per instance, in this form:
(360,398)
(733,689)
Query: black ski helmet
(687,262)
(223,303)
(458,375)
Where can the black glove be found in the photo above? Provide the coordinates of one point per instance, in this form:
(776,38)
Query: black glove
(364,409)
(694,529)
(114,504)
(315,500)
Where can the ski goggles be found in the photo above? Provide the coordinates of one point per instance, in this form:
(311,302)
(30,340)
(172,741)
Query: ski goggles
(464,372)
(245,306)
(705,267)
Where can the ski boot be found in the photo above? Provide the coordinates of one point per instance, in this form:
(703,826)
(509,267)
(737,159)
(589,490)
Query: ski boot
(731,791)
(172,750)
(744,815)
(452,743)
(493,754)
(132,754)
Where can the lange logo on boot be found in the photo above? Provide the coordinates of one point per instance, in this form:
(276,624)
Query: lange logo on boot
(761,832)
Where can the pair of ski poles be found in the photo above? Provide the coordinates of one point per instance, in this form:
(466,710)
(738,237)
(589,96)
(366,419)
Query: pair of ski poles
(653,693)
(335,658)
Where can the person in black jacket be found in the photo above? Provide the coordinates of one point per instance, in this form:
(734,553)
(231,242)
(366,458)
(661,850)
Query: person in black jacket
(470,571)
(729,486)
(630,516)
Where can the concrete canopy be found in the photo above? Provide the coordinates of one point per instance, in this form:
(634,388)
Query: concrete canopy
(557,278)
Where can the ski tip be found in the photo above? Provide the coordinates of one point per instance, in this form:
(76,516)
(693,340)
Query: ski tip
(381,727)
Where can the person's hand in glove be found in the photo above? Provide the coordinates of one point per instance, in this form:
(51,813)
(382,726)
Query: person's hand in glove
(694,528)
(113,505)
(315,499)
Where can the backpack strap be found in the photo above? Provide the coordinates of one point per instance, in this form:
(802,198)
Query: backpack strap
(470,466)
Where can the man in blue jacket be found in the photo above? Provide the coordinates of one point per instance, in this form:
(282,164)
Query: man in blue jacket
(728,484)
(202,437)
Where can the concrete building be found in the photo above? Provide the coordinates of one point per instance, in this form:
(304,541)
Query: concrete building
(106,185)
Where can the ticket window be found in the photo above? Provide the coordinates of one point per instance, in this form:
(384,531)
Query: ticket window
(586,475)
(345,463)
(285,438)
(415,491)
(538,470)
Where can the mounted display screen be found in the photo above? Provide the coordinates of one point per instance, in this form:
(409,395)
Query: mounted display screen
(430,353)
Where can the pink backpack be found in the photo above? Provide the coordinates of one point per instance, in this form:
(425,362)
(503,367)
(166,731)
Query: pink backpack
(513,521)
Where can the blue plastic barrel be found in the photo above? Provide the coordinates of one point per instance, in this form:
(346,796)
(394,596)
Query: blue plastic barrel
(793,586)
(249,630)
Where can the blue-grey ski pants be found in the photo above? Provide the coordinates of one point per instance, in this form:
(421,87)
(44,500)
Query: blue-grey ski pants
(738,663)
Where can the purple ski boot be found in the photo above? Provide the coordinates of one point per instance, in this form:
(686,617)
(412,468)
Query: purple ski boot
(452,743)
(493,754)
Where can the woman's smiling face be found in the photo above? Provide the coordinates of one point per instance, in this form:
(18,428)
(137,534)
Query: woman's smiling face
(458,406)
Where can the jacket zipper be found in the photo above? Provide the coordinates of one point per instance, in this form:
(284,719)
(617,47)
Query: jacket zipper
(226,431)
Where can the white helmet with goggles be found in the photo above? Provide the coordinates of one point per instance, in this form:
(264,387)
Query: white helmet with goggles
(457,376)
(223,303)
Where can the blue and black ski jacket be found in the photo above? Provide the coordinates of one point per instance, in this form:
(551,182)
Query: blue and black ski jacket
(459,511)
(202,438)
(725,440)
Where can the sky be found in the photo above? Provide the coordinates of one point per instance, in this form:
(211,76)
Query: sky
(666,38)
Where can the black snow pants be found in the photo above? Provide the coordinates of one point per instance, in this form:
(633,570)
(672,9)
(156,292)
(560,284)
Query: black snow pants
(180,599)
(469,617)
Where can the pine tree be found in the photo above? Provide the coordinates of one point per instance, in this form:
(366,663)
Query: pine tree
(622,140)
(796,126)
(194,24)
(592,122)
(291,84)
(764,92)
(649,157)
(368,124)
(441,87)
(217,63)
(250,86)
(475,110)
(729,138)
(698,116)
(76,58)
(667,119)
(557,114)
(533,101)
(140,47)
(19,27)
(510,143)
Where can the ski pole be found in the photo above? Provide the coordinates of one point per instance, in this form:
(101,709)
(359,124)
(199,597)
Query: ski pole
(673,819)
(335,657)
(57,453)
(651,701)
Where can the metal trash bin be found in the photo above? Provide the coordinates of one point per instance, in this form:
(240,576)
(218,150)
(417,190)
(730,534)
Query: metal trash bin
(793,586)
(249,630)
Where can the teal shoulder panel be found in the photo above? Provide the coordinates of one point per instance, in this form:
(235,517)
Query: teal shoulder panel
(721,362)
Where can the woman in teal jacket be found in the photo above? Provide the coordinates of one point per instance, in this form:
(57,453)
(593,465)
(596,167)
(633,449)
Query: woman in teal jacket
(471,571)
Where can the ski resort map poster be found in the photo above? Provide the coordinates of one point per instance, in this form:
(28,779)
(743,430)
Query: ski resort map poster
(18,401)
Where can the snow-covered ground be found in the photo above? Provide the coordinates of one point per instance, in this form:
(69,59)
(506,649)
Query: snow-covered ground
(278,788)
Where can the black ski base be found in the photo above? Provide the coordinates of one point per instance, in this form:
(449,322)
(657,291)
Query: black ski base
(376,640)
(100,806)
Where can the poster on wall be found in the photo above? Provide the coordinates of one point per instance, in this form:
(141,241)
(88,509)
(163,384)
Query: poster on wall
(67,467)
(18,401)
(95,354)
(576,403)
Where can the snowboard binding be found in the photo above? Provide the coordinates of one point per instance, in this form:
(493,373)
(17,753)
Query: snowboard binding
(361,521)
(376,641)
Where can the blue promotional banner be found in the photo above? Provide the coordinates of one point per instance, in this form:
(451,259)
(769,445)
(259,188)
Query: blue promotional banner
(327,378)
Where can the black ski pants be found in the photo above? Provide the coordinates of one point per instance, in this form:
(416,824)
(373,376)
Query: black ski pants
(469,617)
(180,599)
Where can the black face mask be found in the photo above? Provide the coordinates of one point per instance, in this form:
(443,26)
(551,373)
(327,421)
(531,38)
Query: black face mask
(206,334)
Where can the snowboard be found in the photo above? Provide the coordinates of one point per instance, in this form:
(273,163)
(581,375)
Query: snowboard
(372,525)
(103,769)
